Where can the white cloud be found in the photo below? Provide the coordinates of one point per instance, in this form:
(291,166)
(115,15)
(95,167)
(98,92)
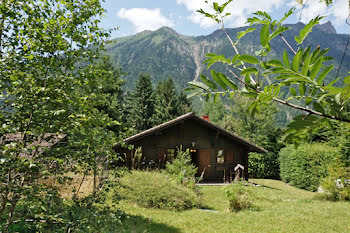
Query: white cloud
(239,9)
(145,19)
(337,12)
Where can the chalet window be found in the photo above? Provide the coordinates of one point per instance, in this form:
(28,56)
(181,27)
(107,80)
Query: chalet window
(220,156)
(170,154)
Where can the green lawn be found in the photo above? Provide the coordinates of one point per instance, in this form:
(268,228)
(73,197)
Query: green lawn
(278,208)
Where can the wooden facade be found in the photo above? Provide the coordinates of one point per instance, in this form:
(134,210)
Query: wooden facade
(214,150)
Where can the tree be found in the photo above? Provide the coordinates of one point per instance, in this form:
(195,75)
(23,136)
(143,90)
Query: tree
(169,104)
(142,109)
(185,104)
(166,102)
(47,53)
(109,83)
(264,81)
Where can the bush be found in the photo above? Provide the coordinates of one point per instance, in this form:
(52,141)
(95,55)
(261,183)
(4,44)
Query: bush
(182,170)
(305,166)
(337,183)
(239,196)
(155,189)
(264,165)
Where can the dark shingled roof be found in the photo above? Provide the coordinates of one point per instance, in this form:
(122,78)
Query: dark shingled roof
(46,140)
(252,147)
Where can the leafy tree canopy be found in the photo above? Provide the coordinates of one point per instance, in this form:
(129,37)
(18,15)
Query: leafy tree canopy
(264,81)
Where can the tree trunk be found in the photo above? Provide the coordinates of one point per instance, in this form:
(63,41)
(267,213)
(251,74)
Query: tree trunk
(10,217)
(3,205)
(81,183)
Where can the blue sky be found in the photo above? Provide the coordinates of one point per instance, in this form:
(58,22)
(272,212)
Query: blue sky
(133,16)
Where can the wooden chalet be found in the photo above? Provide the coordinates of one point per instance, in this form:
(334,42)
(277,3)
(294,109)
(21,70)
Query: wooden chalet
(214,150)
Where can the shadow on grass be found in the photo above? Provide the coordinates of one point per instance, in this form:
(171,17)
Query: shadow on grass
(140,224)
(269,187)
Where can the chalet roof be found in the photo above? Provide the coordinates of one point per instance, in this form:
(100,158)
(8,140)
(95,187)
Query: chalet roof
(252,147)
(46,140)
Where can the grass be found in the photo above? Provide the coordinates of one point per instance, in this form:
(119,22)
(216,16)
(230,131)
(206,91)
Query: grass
(67,188)
(278,208)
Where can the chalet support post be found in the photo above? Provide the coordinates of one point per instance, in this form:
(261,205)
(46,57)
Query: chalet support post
(245,164)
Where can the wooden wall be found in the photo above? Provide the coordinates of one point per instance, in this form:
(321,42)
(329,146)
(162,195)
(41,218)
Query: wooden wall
(206,140)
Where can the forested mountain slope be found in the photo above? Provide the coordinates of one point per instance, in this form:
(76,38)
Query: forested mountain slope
(165,53)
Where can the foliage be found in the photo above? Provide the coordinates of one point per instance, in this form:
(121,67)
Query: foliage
(239,196)
(168,104)
(57,215)
(181,169)
(148,107)
(340,137)
(51,87)
(142,105)
(154,189)
(111,94)
(337,183)
(264,165)
(305,166)
(265,79)
(136,158)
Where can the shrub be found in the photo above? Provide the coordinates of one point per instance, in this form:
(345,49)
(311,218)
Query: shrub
(264,165)
(239,196)
(181,169)
(337,183)
(155,189)
(306,165)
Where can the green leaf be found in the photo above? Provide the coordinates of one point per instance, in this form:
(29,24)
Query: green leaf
(216,6)
(337,98)
(274,63)
(316,68)
(228,81)
(305,67)
(318,107)
(200,85)
(280,30)
(208,82)
(296,62)
(217,79)
(286,59)
(249,71)
(324,74)
(332,82)
(241,34)
(265,35)
(307,29)
(293,91)
(308,100)
(249,59)
(302,88)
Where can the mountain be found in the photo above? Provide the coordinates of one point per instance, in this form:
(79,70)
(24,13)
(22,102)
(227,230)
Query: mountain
(165,53)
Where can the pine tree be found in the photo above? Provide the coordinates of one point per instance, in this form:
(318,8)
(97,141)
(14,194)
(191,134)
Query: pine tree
(142,108)
(166,102)
(110,98)
(185,105)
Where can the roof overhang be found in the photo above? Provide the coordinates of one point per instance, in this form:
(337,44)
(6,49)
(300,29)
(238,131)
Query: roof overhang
(251,146)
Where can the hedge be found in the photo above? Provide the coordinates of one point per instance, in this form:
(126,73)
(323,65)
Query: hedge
(306,165)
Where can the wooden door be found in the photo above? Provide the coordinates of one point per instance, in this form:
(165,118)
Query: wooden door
(229,156)
(204,162)
(161,155)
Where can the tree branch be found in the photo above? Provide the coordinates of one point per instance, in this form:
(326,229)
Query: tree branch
(286,42)
(311,111)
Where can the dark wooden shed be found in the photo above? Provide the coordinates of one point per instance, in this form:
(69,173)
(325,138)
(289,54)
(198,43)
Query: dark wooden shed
(215,151)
